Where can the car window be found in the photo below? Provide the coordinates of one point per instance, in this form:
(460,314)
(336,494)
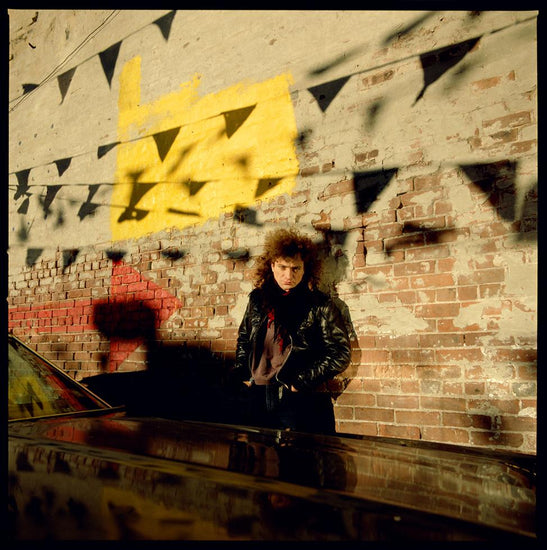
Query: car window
(37,388)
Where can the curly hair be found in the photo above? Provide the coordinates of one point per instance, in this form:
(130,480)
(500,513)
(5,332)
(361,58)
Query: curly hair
(288,243)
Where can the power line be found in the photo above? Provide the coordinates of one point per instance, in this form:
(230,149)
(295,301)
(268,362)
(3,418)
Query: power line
(89,37)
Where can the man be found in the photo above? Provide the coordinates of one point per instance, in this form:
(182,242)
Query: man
(292,339)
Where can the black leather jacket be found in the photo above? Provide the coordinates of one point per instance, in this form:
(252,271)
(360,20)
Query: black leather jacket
(319,346)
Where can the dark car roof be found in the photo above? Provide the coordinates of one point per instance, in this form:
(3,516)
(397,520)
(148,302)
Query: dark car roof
(495,490)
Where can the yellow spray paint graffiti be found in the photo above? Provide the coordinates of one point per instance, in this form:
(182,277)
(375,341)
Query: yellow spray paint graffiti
(184,159)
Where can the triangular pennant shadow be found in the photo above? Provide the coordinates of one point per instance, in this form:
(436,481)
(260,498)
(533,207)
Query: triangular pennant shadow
(497,181)
(32,256)
(325,93)
(22,183)
(437,62)
(369,185)
(234,119)
(164,23)
(238,254)
(108,59)
(173,253)
(103,149)
(265,185)
(137,193)
(29,87)
(246,215)
(115,255)
(69,257)
(62,165)
(194,186)
(22,232)
(64,81)
(51,192)
(23,209)
(88,208)
(164,141)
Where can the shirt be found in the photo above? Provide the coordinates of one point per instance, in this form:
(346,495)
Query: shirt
(272,357)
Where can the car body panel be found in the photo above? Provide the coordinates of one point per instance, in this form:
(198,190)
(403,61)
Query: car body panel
(234,473)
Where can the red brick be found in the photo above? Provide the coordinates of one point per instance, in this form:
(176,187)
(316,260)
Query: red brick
(375,356)
(76,328)
(497,439)
(406,213)
(474,388)
(15,315)
(398,401)
(458,420)
(487,83)
(438,371)
(519,355)
(356,399)
(414,268)
(443,403)
(309,171)
(343,413)
(503,406)
(523,147)
(403,341)
(447,435)
(355,385)
(233,286)
(436,311)
(405,241)
(146,295)
(464,354)
(404,432)
(505,136)
(410,386)
(374,414)
(359,428)
(366,156)
(428,182)
(446,295)
(512,120)
(434,280)
(466,293)
(137,286)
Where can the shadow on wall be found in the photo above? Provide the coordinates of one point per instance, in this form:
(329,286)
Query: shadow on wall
(180,381)
(335,265)
(187,380)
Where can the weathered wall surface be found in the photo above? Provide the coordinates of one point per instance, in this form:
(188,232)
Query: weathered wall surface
(150,151)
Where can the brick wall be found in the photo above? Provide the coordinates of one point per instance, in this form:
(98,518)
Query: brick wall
(418,180)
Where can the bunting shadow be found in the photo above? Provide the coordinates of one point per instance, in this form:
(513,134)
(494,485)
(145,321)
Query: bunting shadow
(437,62)
(497,181)
(325,93)
(369,185)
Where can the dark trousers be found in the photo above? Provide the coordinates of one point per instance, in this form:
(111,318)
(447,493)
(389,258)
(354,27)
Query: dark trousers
(311,412)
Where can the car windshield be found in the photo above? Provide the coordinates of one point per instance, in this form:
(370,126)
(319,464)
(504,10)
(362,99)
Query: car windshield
(36,388)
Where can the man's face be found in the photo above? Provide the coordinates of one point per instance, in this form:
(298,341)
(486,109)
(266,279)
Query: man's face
(288,272)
